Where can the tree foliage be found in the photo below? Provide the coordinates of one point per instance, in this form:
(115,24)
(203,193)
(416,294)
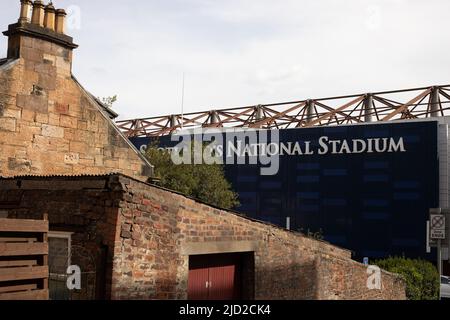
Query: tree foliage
(109,101)
(422,277)
(204,182)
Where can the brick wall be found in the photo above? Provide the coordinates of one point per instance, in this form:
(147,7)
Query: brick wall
(49,124)
(150,233)
(159,227)
(86,207)
(344,279)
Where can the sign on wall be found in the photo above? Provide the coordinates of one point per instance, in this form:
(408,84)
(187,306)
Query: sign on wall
(437,225)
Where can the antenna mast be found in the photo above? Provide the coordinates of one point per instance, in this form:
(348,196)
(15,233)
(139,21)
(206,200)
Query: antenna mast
(182,105)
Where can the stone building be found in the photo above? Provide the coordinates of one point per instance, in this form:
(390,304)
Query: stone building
(49,124)
(62,155)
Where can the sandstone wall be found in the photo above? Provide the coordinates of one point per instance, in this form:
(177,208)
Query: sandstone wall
(50,125)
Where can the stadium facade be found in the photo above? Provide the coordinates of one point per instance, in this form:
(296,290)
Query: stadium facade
(364,185)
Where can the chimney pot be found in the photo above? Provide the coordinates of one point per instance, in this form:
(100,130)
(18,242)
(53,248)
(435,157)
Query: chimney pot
(38,13)
(60,20)
(25,6)
(49,17)
(42,28)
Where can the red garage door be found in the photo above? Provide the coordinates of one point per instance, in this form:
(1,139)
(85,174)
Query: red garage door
(215,277)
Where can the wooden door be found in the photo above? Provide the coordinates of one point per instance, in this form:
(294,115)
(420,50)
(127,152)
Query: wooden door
(198,283)
(214,277)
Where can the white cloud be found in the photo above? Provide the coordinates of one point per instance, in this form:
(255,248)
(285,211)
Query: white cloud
(241,52)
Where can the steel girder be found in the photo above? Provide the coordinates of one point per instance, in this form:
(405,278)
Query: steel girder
(414,103)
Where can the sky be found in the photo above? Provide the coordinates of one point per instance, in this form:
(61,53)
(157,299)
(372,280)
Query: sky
(248,52)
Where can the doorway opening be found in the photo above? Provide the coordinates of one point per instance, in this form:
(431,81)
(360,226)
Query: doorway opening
(227,276)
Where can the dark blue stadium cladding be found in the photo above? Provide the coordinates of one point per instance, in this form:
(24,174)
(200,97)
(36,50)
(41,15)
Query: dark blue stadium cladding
(375,204)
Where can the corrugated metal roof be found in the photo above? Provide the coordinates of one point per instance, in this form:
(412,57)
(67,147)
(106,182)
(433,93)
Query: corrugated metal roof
(6,63)
(26,176)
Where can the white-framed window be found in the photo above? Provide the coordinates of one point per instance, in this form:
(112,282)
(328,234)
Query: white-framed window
(59,259)
(59,251)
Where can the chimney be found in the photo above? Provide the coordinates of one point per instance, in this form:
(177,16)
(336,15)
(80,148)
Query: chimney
(49,17)
(43,35)
(25,6)
(60,20)
(38,13)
